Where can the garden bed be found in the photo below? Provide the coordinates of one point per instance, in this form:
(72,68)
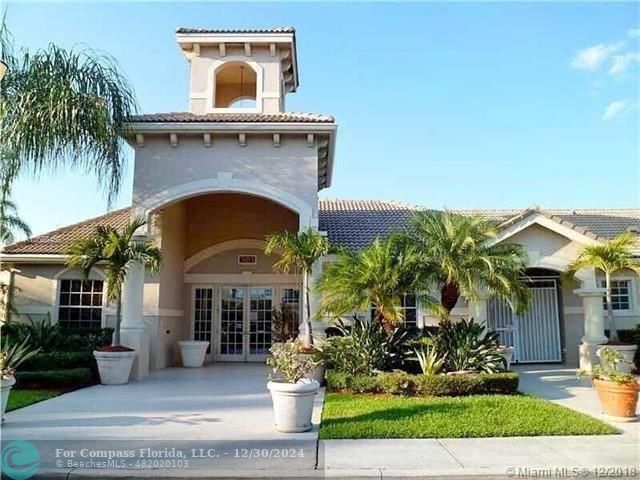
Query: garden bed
(400,383)
(353,416)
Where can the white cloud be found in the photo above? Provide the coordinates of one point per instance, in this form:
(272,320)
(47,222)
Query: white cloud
(620,63)
(593,57)
(614,109)
(634,32)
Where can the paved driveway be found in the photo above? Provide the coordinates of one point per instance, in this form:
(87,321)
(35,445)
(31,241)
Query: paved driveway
(219,415)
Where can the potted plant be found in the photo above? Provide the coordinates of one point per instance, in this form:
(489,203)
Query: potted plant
(11,356)
(617,390)
(609,258)
(115,250)
(291,392)
(192,352)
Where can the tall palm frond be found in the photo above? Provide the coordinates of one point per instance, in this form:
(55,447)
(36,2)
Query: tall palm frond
(376,277)
(609,258)
(10,222)
(117,250)
(458,258)
(298,252)
(63,108)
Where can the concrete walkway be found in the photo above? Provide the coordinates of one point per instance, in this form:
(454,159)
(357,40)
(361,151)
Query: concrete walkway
(219,419)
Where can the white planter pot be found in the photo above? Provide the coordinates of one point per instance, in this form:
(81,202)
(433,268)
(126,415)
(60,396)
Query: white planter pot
(5,387)
(114,367)
(192,353)
(627,351)
(507,354)
(293,404)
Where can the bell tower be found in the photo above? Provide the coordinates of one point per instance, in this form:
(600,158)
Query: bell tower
(239,71)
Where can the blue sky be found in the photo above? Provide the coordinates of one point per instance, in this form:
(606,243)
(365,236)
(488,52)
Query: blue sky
(459,105)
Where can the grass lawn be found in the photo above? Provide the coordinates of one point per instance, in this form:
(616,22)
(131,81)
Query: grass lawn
(385,416)
(19,398)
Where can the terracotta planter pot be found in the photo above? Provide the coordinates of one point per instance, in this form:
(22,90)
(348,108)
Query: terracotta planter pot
(618,400)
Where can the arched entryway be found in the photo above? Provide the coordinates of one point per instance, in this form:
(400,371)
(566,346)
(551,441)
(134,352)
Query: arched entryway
(536,334)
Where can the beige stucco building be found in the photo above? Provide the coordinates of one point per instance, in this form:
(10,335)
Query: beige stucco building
(214,181)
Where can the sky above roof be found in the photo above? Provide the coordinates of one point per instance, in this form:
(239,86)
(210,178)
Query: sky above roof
(467,105)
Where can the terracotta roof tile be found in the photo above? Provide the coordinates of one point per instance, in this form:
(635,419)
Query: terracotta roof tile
(58,241)
(355,223)
(187,117)
(236,30)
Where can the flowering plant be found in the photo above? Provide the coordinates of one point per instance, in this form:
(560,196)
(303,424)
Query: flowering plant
(287,361)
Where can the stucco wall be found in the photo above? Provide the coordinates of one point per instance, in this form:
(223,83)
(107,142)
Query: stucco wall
(291,168)
(212,219)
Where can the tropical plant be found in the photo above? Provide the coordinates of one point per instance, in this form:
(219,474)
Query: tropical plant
(431,362)
(10,222)
(362,348)
(373,278)
(456,256)
(608,369)
(62,108)
(284,323)
(287,361)
(609,258)
(467,346)
(117,250)
(299,252)
(12,355)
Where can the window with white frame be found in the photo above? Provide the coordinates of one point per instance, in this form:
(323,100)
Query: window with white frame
(409,306)
(291,297)
(620,295)
(80,303)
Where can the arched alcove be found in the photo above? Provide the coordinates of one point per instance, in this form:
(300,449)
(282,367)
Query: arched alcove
(235,85)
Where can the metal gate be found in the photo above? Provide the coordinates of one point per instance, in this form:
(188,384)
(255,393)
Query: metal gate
(535,334)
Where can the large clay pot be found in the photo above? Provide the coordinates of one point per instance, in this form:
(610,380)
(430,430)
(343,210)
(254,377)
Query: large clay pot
(193,352)
(293,404)
(507,354)
(619,400)
(114,366)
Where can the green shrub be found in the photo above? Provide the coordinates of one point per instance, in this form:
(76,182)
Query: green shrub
(59,361)
(362,348)
(51,337)
(400,383)
(55,378)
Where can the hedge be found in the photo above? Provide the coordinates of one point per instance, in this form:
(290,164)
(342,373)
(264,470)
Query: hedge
(400,383)
(55,378)
(58,361)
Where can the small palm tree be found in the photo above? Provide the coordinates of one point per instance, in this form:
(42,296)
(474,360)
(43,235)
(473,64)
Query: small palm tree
(458,259)
(299,251)
(611,257)
(63,108)
(375,277)
(116,250)
(10,222)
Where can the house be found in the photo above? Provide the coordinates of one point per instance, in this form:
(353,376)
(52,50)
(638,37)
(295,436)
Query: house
(215,180)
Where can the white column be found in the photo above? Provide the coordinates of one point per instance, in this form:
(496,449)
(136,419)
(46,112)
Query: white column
(133,330)
(593,325)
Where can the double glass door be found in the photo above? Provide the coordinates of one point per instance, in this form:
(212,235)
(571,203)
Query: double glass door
(239,327)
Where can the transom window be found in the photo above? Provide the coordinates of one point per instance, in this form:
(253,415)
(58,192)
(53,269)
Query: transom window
(80,303)
(620,295)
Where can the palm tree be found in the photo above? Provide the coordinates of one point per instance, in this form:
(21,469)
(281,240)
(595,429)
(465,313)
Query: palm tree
(375,277)
(457,257)
(62,108)
(610,257)
(10,222)
(299,251)
(116,250)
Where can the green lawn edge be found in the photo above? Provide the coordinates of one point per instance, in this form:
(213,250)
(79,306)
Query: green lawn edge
(362,416)
(20,398)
